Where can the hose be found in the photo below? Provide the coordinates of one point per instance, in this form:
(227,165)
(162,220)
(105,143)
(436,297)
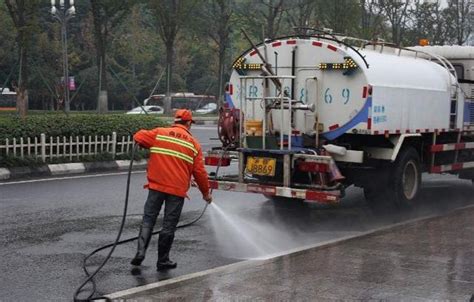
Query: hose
(89,276)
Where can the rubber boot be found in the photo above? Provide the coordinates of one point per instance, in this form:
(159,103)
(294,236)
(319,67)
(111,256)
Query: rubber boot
(164,246)
(143,240)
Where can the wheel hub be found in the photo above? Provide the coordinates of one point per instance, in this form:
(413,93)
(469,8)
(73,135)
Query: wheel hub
(410,180)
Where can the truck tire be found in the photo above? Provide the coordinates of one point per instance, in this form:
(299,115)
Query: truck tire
(405,178)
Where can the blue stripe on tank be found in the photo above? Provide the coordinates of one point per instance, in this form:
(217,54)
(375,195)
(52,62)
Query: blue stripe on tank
(361,117)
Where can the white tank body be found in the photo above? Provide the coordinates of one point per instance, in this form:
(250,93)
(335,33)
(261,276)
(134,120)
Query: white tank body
(393,94)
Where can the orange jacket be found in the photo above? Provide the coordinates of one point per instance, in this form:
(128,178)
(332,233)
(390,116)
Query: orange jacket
(175,155)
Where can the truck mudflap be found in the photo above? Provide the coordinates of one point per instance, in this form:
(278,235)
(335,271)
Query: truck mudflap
(306,194)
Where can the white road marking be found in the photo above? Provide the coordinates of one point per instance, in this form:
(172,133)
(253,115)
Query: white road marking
(249,263)
(67,177)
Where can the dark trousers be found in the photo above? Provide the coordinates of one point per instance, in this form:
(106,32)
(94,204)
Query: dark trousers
(173,207)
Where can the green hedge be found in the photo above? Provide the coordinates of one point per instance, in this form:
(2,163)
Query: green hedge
(12,126)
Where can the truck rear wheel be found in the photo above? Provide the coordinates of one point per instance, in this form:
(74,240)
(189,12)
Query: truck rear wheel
(397,186)
(406,178)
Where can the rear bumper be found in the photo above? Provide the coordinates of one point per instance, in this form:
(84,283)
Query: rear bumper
(306,194)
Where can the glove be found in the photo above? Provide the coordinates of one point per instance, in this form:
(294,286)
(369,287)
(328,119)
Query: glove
(208,198)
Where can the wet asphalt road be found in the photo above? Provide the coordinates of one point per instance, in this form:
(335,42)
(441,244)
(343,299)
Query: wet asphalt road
(47,227)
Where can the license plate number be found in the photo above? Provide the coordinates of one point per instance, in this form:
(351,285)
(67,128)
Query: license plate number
(261,166)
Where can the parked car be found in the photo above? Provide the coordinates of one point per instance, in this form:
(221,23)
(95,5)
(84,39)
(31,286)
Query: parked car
(148,109)
(208,108)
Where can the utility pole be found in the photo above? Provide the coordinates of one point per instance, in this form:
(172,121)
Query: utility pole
(63,13)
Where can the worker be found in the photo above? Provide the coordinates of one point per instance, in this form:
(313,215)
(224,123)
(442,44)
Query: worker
(175,156)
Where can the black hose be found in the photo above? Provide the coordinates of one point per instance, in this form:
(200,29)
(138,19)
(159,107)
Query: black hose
(114,245)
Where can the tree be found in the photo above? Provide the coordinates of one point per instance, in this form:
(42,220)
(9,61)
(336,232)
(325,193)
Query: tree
(106,14)
(170,16)
(300,14)
(272,14)
(426,23)
(136,56)
(262,15)
(218,15)
(371,19)
(24,17)
(460,20)
(397,14)
(341,16)
(7,45)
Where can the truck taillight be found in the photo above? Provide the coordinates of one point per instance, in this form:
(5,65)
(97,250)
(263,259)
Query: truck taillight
(229,88)
(313,167)
(366,91)
(217,161)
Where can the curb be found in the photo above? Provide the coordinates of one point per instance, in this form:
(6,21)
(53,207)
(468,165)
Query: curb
(69,168)
(198,122)
(4,173)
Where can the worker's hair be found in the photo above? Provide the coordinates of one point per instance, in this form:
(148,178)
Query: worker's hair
(181,122)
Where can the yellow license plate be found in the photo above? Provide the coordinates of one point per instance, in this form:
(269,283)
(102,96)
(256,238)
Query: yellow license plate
(261,166)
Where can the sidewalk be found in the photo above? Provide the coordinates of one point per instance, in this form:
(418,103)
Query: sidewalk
(428,259)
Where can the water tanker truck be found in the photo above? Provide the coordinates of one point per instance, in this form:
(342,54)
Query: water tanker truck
(307,116)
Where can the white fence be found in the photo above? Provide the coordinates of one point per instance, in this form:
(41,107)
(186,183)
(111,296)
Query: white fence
(73,147)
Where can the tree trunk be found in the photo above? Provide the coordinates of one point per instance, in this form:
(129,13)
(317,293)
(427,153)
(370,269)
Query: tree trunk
(270,34)
(103,102)
(100,34)
(21,90)
(169,76)
(220,85)
(22,102)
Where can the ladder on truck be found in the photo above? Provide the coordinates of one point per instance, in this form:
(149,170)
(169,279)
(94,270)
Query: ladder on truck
(453,116)
(279,102)
(454,90)
(286,106)
(284,102)
(453,87)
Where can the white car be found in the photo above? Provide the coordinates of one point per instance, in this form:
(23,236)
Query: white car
(208,108)
(148,109)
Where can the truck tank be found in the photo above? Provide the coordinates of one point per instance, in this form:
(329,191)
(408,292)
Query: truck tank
(366,91)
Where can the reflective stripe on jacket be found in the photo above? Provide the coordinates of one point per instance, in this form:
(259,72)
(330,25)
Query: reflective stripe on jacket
(175,156)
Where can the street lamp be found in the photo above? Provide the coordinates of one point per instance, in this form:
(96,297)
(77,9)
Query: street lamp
(63,13)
